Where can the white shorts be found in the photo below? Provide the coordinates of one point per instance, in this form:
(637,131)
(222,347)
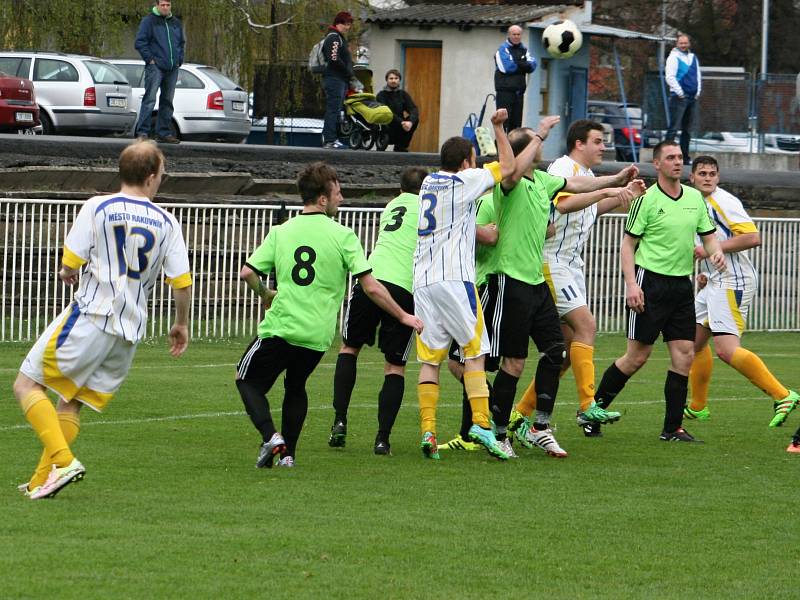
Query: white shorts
(567,286)
(723,310)
(450,310)
(78,360)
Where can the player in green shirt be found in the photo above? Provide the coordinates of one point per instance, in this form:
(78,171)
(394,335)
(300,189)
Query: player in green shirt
(392,263)
(311,255)
(657,258)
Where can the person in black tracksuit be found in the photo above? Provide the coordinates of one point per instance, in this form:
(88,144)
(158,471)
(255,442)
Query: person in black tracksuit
(406,113)
(160,41)
(512,65)
(337,76)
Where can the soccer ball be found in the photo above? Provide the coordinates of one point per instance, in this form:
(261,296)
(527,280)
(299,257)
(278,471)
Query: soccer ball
(562,39)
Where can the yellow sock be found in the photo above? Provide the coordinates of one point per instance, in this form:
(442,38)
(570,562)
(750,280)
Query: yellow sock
(428,394)
(752,367)
(700,378)
(42,416)
(478,394)
(70,426)
(527,404)
(581,356)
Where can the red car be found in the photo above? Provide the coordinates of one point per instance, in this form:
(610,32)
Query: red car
(18,108)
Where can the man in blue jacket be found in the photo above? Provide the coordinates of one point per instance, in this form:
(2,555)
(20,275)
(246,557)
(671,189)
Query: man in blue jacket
(512,65)
(682,73)
(160,41)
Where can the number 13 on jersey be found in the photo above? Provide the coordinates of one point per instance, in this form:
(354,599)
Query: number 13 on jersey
(428,206)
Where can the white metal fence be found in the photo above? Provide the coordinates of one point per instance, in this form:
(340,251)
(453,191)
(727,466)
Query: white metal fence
(220,237)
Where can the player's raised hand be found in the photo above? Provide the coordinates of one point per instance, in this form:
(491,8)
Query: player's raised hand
(500,116)
(68,276)
(414,322)
(634,297)
(178,340)
(546,124)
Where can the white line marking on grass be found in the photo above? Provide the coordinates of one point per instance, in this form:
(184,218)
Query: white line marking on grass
(215,415)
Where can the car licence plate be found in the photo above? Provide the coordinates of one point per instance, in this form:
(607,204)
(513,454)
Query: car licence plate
(118,102)
(238,106)
(24,117)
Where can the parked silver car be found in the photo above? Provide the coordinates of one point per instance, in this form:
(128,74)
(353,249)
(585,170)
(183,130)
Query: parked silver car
(208,105)
(76,94)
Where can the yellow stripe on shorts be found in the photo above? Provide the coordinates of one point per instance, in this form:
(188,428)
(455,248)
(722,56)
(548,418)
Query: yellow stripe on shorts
(737,315)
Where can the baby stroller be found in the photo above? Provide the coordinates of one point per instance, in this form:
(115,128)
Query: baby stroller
(364,122)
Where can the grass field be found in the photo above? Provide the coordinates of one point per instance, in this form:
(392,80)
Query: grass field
(172,507)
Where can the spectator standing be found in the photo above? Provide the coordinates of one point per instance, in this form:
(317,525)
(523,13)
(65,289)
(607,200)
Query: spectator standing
(406,113)
(337,75)
(512,65)
(682,73)
(160,42)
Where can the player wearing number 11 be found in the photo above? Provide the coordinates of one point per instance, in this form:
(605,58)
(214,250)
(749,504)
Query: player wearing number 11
(119,244)
(311,255)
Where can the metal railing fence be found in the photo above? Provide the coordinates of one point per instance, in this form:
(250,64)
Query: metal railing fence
(221,237)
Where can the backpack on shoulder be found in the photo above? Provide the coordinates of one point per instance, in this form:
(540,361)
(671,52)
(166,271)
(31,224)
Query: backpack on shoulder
(316,58)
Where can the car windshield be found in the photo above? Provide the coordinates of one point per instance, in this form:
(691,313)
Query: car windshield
(133,73)
(103,72)
(223,82)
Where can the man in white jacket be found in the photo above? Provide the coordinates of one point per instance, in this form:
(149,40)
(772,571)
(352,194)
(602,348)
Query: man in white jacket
(682,73)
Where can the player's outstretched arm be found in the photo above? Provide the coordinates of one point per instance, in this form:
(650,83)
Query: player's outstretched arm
(623,197)
(523,162)
(381,296)
(634,296)
(580,184)
(179,333)
(714,251)
(505,155)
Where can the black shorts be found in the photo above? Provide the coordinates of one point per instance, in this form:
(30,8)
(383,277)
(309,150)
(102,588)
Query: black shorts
(490,363)
(522,311)
(363,316)
(265,359)
(668,308)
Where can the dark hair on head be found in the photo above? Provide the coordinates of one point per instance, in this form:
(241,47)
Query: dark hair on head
(519,139)
(579,132)
(411,179)
(316,180)
(704,160)
(661,145)
(454,152)
(392,72)
(138,161)
(342,17)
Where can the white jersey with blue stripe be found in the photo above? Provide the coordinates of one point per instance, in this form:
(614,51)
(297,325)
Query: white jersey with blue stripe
(446,227)
(124,242)
(572,229)
(728,214)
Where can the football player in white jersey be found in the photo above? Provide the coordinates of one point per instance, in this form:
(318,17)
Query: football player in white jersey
(119,245)
(722,304)
(445,297)
(563,271)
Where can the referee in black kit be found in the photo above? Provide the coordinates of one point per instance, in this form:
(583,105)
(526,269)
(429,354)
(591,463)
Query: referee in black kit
(657,258)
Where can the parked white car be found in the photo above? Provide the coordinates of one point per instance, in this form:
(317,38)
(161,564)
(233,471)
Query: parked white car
(76,94)
(208,105)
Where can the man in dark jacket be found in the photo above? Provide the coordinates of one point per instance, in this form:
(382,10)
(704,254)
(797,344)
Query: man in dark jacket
(337,75)
(406,114)
(512,65)
(160,41)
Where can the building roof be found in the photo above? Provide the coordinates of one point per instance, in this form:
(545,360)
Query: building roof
(606,31)
(480,15)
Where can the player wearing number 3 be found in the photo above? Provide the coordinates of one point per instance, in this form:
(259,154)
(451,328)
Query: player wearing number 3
(119,244)
(311,255)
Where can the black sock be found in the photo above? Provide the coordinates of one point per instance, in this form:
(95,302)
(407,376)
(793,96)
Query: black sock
(610,385)
(505,389)
(676,388)
(344,380)
(466,413)
(389,401)
(548,376)
(295,408)
(257,407)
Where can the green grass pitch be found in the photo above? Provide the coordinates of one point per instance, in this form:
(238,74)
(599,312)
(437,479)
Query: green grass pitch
(173,507)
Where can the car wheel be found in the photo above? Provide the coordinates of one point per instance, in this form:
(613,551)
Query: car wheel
(356,139)
(47,124)
(382,140)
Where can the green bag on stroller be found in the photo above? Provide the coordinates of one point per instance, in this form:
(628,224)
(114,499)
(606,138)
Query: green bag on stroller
(370,109)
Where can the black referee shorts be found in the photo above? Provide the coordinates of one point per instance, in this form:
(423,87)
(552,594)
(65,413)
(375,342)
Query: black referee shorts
(491,363)
(668,308)
(363,316)
(521,311)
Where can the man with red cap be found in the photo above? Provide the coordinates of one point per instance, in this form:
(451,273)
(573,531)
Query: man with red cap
(337,75)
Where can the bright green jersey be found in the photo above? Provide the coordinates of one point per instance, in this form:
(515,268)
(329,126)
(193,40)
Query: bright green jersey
(522,217)
(311,255)
(392,259)
(666,229)
(484,255)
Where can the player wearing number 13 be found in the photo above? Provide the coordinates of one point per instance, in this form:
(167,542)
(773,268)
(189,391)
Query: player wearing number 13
(311,255)
(119,244)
